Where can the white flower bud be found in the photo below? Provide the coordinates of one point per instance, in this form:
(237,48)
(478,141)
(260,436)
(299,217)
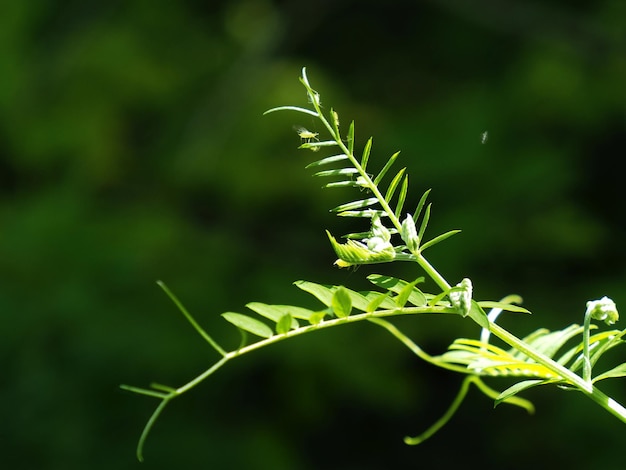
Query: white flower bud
(461,296)
(603,309)
(409,233)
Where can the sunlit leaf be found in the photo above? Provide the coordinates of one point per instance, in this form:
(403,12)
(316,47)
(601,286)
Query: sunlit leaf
(420,205)
(364,213)
(342,184)
(416,297)
(503,306)
(517,388)
(317,317)
(394,184)
(272,312)
(438,239)
(383,172)
(402,196)
(341,303)
(366,153)
(619,371)
(350,138)
(477,314)
(292,108)
(323,293)
(355,205)
(249,324)
(327,160)
(284,324)
(377,302)
(424,224)
(337,172)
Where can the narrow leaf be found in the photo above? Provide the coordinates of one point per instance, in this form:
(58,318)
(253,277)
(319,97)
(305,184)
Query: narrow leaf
(342,184)
(477,314)
(379,300)
(335,121)
(327,160)
(355,205)
(402,196)
(364,213)
(350,138)
(357,236)
(406,292)
(420,234)
(314,145)
(359,301)
(295,312)
(382,173)
(249,324)
(272,312)
(438,239)
(517,388)
(394,184)
(323,293)
(337,172)
(416,297)
(341,303)
(420,205)
(503,306)
(375,303)
(366,153)
(619,371)
(292,108)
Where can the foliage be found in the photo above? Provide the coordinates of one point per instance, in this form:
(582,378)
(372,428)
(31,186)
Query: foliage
(396,235)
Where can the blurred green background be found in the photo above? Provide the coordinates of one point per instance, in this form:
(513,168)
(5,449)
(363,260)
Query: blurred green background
(133,148)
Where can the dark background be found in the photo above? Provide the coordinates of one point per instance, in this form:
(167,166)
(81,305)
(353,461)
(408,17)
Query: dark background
(133,148)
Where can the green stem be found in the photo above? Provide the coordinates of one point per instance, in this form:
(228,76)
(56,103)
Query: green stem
(586,359)
(584,386)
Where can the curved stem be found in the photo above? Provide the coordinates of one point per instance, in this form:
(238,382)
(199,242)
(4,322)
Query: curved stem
(584,386)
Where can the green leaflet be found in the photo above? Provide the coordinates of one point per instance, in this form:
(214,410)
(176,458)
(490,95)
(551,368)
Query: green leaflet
(424,224)
(619,371)
(377,301)
(326,294)
(327,160)
(350,138)
(284,324)
(272,312)
(503,306)
(249,324)
(341,302)
(438,239)
(323,293)
(415,296)
(355,205)
(517,388)
(337,172)
(385,169)
(420,205)
(366,153)
(393,185)
(402,196)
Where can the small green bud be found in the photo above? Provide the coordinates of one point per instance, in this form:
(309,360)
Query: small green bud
(409,233)
(604,310)
(461,296)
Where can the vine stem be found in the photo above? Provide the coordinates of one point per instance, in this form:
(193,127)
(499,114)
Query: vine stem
(587,388)
(584,386)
